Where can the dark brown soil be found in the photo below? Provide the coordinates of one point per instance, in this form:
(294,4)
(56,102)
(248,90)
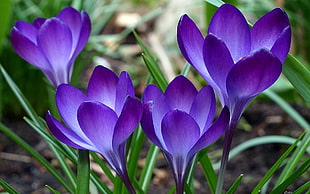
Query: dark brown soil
(265,118)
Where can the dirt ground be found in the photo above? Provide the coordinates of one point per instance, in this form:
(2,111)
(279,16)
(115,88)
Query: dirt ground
(265,118)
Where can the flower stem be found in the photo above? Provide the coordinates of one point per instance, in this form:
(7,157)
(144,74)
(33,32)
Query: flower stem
(83,172)
(227,145)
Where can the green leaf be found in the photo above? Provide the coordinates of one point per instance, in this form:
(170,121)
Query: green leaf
(281,188)
(298,75)
(302,188)
(83,169)
(52,190)
(209,172)
(235,185)
(295,158)
(277,164)
(152,65)
(8,187)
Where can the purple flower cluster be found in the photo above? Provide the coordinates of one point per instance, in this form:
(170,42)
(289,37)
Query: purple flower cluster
(238,62)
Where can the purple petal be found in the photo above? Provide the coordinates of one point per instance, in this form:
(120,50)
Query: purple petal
(28,30)
(218,62)
(28,50)
(38,22)
(55,40)
(84,34)
(253,74)
(214,132)
(180,94)
(229,24)
(152,95)
(180,132)
(190,41)
(66,135)
(123,89)
(268,29)
(128,120)
(102,86)
(68,100)
(203,108)
(148,124)
(97,122)
(282,46)
(72,18)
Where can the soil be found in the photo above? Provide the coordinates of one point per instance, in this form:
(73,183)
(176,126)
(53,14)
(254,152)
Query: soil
(265,118)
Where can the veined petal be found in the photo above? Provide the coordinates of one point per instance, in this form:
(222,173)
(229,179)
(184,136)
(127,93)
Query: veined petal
(190,42)
(229,25)
(97,122)
(72,18)
(204,107)
(55,40)
(153,96)
(28,30)
(253,74)
(84,33)
(66,135)
(268,29)
(102,86)
(218,62)
(28,50)
(180,94)
(214,132)
(282,46)
(128,120)
(123,89)
(180,132)
(68,100)
(148,124)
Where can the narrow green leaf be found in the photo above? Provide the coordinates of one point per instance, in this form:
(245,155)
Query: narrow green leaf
(294,159)
(8,187)
(103,166)
(235,185)
(276,165)
(302,188)
(152,65)
(52,190)
(37,156)
(83,169)
(209,172)
(298,75)
(147,170)
(281,188)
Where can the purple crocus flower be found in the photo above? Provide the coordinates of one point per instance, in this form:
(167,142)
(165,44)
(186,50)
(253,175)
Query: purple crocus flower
(238,62)
(53,44)
(179,121)
(101,120)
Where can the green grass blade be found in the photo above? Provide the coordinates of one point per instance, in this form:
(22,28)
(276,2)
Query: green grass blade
(298,75)
(152,65)
(52,190)
(281,188)
(295,158)
(83,169)
(147,171)
(235,185)
(303,188)
(277,164)
(8,187)
(37,156)
(209,172)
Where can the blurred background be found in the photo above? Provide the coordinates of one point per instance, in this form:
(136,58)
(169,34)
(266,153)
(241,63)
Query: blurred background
(113,45)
